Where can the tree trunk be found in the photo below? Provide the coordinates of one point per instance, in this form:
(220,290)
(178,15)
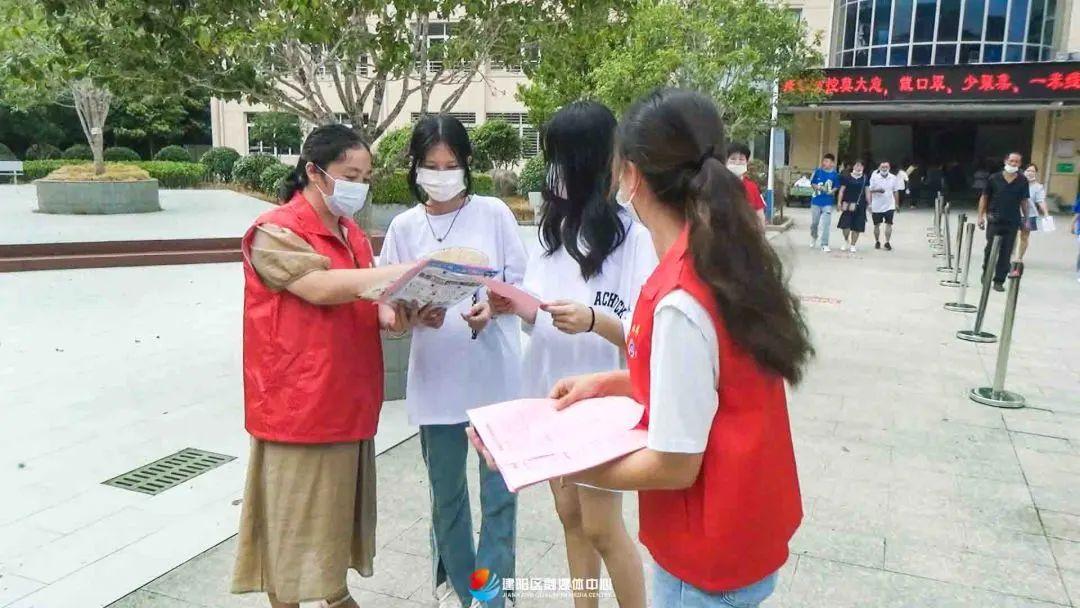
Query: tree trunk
(92,106)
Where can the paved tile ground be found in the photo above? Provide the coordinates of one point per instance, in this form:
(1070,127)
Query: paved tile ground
(914,495)
(186,214)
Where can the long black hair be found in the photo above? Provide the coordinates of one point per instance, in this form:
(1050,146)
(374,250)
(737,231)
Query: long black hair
(430,131)
(323,146)
(676,139)
(577,146)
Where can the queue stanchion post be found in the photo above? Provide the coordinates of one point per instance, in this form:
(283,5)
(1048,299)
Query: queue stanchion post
(960,305)
(931,232)
(996,395)
(949,266)
(946,249)
(976,334)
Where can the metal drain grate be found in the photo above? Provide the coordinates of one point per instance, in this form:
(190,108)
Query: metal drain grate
(171,471)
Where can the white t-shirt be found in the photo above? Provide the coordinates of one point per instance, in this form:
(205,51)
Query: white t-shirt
(683,375)
(881,202)
(449,372)
(551,355)
(1036,197)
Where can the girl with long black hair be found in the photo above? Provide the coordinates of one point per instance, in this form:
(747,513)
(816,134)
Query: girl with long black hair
(715,334)
(588,268)
(460,358)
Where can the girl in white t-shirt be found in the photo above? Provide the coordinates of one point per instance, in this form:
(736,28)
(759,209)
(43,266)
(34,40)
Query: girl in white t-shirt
(460,358)
(588,267)
(1036,207)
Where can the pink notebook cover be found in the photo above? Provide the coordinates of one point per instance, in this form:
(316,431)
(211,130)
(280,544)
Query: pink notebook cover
(531,442)
(523,300)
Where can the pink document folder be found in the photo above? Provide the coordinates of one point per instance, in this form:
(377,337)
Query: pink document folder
(522,300)
(531,442)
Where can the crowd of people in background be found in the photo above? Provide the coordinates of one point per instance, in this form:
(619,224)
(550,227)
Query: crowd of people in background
(1011,204)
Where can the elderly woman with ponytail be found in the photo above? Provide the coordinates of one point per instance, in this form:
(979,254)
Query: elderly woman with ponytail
(313,381)
(715,334)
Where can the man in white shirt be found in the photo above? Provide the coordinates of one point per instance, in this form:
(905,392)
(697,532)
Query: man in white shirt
(884,198)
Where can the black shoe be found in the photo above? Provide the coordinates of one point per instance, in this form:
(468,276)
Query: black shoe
(888,246)
(877,244)
(999,287)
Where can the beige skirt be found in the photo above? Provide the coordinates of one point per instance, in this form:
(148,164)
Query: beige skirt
(308,516)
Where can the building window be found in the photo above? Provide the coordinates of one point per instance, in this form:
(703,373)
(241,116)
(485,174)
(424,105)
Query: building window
(927,32)
(437,35)
(530,136)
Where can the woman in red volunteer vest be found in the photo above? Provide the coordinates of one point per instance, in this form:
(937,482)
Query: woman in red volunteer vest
(715,333)
(313,381)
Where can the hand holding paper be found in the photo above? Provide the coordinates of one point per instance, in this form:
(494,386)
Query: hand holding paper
(529,441)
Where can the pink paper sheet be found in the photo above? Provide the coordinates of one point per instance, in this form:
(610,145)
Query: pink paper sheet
(531,442)
(522,300)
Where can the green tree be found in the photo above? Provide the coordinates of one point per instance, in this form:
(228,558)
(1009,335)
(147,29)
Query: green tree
(155,119)
(392,151)
(732,50)
(78,53)
(373,56)
(495,144)
(276,130)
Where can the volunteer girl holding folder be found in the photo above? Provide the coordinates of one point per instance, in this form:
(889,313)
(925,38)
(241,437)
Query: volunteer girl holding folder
(460,358)
(588,267)
(715,333)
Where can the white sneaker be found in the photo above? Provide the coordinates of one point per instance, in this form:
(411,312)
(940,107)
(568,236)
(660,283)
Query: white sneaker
(813,243)
(852,249)
(843,247)
(825,248)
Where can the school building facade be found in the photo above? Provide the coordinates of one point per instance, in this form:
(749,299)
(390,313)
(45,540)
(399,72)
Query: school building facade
(952,84)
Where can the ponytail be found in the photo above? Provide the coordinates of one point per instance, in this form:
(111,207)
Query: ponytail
(731,255)
(673,137)
(294,182)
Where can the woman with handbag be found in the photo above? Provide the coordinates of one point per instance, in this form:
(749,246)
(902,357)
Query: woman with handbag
(852,199)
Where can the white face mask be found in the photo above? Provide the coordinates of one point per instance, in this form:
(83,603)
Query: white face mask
(883,171)
(441,185)
(627,202)
(1011,169)
(739,169)
(348,197)
(856,173)
(1030,175)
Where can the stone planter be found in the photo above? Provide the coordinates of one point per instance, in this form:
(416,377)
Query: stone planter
(375,219)
(395,366)
(97,198)
(536,200)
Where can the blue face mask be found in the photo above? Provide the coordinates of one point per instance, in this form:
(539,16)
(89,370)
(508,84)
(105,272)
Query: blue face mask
(347,199)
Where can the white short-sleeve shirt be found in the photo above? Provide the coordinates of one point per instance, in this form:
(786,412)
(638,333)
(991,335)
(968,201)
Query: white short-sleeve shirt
(551,355)
(881,202)
(449,372)
(683,375)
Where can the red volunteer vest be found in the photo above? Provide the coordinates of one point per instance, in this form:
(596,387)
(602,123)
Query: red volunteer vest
(732,527)
(312,374)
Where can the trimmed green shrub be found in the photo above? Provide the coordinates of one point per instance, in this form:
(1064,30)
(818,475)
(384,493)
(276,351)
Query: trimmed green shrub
(496,144)
(176,154)
(248,169)
(168,174)
(483,184)
(175,175)
(79,152)
(392,189)
(42,152)
(271,178)
(532,176)
(37,169)
(6,153)
(391,147)
(119,154)
(219,163)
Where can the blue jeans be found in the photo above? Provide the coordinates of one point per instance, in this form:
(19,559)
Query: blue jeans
(445,448)
(821,215)
(671,592)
